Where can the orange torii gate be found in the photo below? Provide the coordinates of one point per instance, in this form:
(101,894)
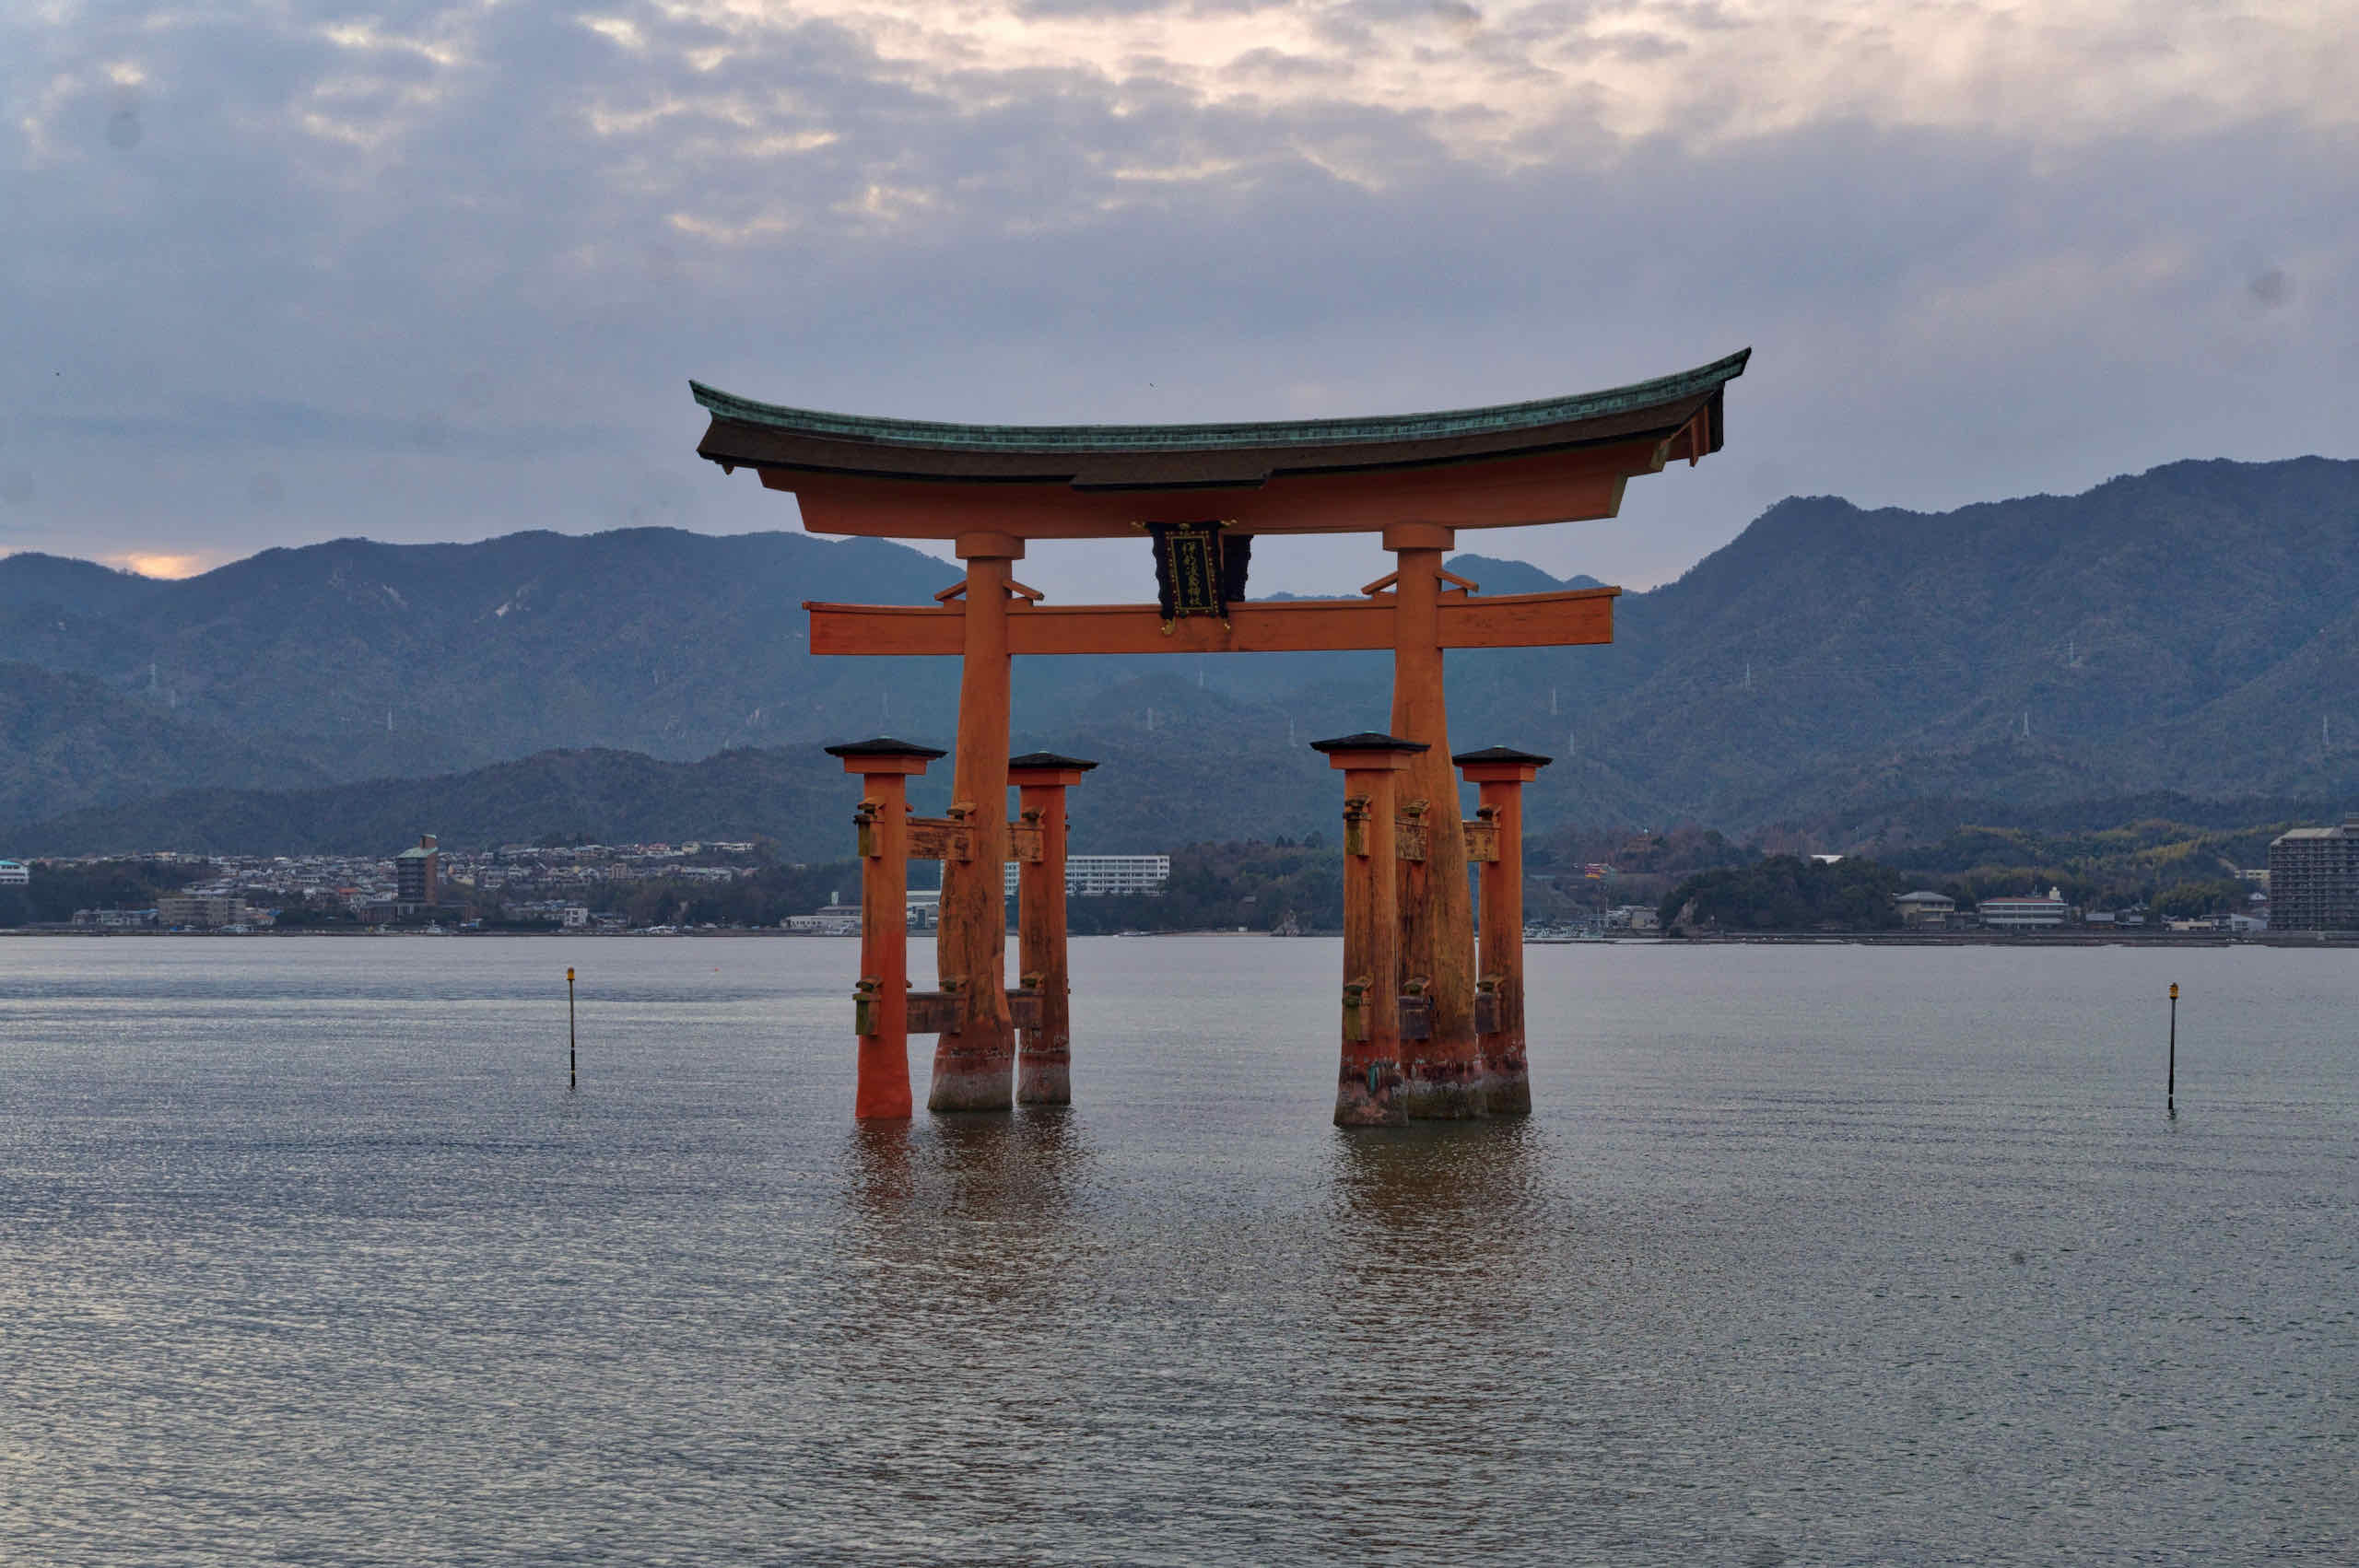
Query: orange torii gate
(1428,1031)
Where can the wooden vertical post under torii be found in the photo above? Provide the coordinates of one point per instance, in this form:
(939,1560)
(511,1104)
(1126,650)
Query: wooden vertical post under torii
(974,1066)
(1370,1081)
(881,1004)
(1044,1056)
(1504,1077)
(1437,917)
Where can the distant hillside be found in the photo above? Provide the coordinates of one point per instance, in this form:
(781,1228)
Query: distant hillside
(611,796)
(34,582)
(2194,628)
(2185,629)
(70,738)
(1143,798)
(375,659)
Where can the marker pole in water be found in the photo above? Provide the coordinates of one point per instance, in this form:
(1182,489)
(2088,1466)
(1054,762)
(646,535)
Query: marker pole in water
(573,1077)
(2170,1079)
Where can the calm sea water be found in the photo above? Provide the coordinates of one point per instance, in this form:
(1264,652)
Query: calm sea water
(1808,1254)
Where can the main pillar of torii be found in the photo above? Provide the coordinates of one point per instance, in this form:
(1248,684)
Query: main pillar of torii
(1205,492)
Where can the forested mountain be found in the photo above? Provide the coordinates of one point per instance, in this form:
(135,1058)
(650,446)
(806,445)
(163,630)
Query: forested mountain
(61,732)
(795,798)
(798,798)
(2194,628)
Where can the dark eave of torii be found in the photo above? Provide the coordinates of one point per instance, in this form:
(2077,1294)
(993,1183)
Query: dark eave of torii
(1552,460)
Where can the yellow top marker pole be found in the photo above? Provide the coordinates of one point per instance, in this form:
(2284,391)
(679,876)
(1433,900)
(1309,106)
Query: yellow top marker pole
(572,1074)
(2170,1080)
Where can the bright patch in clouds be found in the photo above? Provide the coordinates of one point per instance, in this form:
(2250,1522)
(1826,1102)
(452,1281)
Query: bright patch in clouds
(168,567)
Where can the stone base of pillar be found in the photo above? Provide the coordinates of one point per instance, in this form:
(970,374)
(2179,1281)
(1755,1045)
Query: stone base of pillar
(1358,1105)
(973,1075)
(1505,1082)
(1043,1077)
(1443,1090)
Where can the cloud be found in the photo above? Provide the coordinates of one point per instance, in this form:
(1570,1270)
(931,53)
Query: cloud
(443,268)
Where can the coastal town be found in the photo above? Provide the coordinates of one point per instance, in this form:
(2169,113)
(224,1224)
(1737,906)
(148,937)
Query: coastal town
(2310,888)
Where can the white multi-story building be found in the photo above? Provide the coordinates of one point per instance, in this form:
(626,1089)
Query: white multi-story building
(1097,876)
(2025,913)
(14,874)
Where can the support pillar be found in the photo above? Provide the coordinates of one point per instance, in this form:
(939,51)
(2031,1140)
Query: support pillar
(1437,916)
(1504,1076)
(881,1001)
(974,1066)
(1369,1085)
(1044,1055)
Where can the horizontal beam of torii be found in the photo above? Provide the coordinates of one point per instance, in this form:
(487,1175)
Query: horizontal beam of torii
(1569,618)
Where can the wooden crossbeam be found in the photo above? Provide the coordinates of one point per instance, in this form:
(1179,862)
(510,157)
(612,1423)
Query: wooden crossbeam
(940,838)
(1417,1015)
(947,838)
(944,1013)
(1567,618)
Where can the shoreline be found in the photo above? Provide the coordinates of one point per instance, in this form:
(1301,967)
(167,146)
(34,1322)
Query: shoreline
(2299,940)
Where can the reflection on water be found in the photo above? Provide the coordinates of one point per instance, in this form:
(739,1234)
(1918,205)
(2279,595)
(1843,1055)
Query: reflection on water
(1809,1255)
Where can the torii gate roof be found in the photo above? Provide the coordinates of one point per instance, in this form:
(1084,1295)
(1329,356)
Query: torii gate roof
(1538,461)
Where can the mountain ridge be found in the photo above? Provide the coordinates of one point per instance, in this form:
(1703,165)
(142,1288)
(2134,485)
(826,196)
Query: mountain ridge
(2189,628)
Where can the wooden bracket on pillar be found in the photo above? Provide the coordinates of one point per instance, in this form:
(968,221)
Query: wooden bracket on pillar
(1417,1008)
(1481,837)
(1409,838)
(1355,816)
(1355,1008)
(1024,842)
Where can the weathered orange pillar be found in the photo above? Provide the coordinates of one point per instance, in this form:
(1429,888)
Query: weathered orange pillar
(1044,1056)
(1504,1078)
(1437,916)
(1369,1084)
(881,1001)
(974,1067)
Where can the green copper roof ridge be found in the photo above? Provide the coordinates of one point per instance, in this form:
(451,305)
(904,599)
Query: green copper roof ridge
(1442,422)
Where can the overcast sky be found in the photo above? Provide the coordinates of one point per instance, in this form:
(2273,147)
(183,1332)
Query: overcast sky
(285,272)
